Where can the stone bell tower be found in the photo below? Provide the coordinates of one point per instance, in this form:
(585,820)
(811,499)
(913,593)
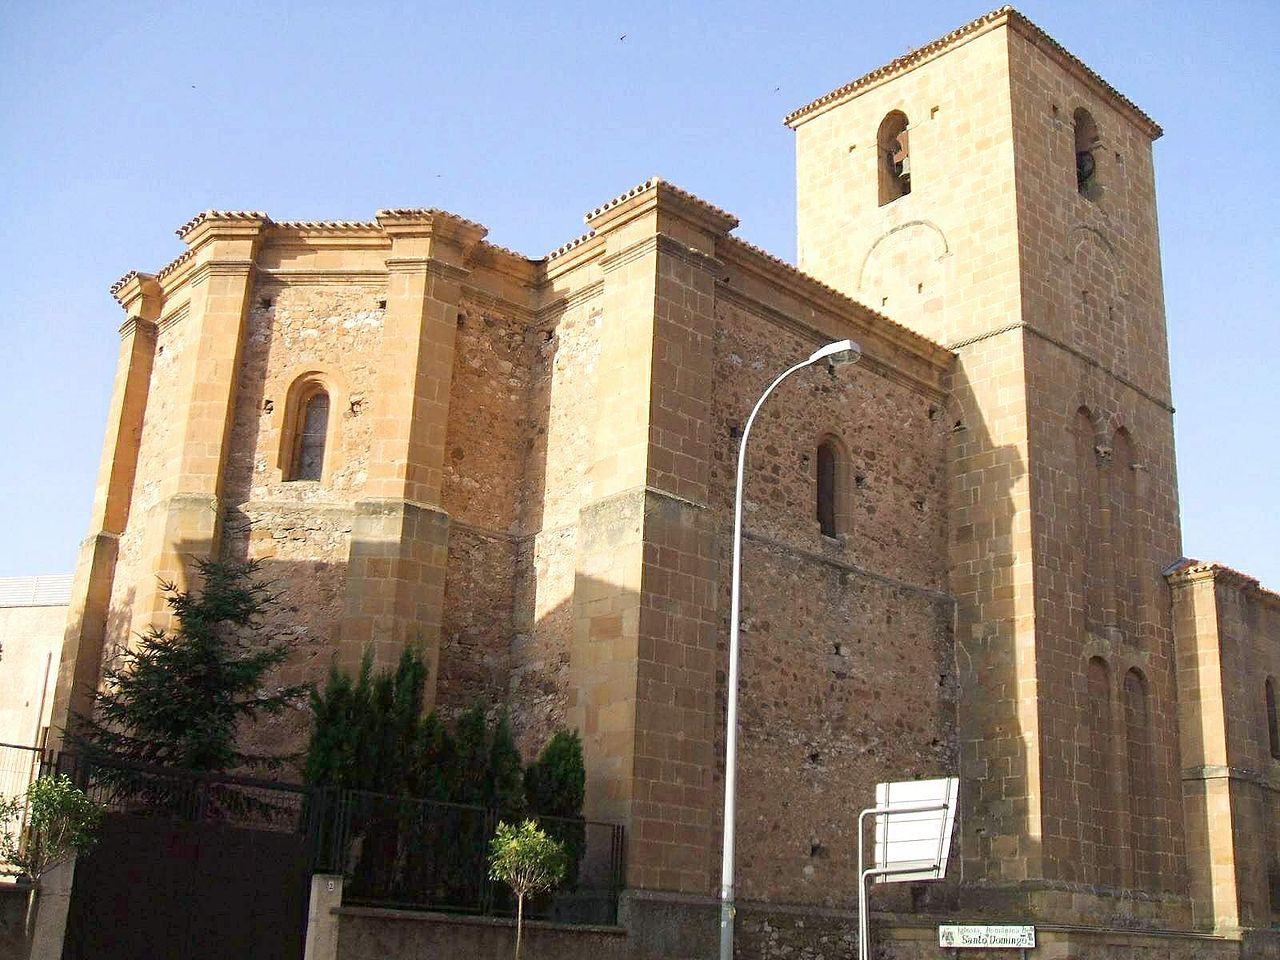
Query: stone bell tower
(993,193)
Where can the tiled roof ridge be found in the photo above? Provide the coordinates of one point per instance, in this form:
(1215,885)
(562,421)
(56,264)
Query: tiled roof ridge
(920,53)
(120,284)
(827,288)
(174,264)
(325,224)
(652,184)
(428,211)
(571,245)
(1188,567)
(507,251)
(204,215)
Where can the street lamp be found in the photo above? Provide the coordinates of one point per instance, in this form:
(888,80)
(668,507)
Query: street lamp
(840,352)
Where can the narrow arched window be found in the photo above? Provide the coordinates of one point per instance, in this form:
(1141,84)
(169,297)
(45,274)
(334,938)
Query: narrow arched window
(1085,518)
(1086,143)
(894,157)
(313,426)
(1273,718)
(1137,722)
(827,466)
(1100,825)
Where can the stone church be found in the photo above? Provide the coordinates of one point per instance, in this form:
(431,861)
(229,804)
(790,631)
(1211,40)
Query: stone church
(962,554)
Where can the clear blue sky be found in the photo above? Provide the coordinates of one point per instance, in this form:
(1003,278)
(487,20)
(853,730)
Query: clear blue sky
(119,121)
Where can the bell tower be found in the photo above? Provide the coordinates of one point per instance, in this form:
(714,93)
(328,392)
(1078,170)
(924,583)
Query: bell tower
(993,193)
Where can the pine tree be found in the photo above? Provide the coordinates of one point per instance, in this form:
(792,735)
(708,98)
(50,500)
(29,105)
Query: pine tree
(363,733)
(182,697)
(555,787)
(470,775)
(431,760)
(505,782)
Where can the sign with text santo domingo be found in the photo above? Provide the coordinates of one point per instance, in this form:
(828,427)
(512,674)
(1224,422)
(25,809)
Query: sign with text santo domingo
(958,936)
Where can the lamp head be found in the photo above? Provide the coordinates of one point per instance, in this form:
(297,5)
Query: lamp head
(839,353)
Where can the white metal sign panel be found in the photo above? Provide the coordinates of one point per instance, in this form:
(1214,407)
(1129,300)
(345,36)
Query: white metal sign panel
(961,936)
(912,843)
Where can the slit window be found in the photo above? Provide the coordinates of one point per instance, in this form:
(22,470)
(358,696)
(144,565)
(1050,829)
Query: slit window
(832,488)
(827,488)
(308,463)
(894,157)
(1273,719)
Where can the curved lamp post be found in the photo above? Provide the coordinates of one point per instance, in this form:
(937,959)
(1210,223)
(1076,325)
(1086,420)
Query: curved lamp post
(839,352)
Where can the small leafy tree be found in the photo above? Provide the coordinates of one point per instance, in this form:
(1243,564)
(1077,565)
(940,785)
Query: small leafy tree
(61,821)
(181,696)
(526,860)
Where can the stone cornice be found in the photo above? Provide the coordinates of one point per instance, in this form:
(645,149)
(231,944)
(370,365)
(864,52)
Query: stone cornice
(573,244)
(747,256)
(219,268)
(1188,571)
(1005,15)
(430,265)
(568,301)
(654,193)
(139,294)
(1035,331)
(327,227)
(883,367)
(431,222)
(223,224)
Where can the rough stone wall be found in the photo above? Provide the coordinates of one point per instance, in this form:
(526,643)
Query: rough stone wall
(1053,304)
(562,389)
(486,460)
(943,261)
(847,669)
(292,329)
(300,530)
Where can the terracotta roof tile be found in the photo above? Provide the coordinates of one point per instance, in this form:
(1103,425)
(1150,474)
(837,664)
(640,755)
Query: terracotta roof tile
(929,49)
(201,217)
(571,245)
(655,182)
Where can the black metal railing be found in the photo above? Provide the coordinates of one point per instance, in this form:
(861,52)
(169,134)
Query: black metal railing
(422,854)
(190,795)
(392,851)
(19,766)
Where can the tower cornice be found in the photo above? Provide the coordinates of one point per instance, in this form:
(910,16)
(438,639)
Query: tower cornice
(1004,16)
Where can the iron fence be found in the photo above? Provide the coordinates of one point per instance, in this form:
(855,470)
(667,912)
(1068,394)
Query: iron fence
(19,766)
(189,795)
(423,854)
(392,851)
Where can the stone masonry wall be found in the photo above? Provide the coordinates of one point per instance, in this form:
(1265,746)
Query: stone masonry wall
(562,388)
(156,457)
(1096,354)
(847,671)
(485,463)
(300,530)
(1249,632)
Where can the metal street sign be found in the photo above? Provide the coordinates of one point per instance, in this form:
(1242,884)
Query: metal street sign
(913,821)
(913,827)
(962,936)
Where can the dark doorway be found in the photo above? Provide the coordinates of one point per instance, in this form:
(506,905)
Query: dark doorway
(154,888)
